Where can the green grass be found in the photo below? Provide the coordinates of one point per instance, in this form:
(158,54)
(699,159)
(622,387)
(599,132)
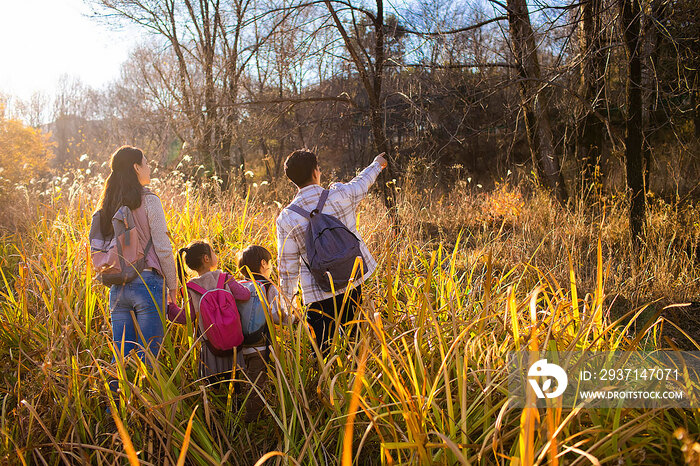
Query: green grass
(464,280)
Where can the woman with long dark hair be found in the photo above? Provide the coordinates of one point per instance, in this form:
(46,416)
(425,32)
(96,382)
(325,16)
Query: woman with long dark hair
(136,307)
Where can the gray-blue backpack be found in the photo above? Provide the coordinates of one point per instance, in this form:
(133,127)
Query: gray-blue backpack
(252,312)
(331,248)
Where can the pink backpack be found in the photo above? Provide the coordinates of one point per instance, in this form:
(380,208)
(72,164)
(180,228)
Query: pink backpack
(219,316)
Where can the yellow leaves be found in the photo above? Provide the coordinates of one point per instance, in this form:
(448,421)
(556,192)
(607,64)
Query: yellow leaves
(503,203)
(24,151)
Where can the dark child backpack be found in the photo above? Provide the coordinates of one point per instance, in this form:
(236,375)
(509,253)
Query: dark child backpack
(218,316)
(331,248)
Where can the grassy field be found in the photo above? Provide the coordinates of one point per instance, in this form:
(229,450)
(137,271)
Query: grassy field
(465,278)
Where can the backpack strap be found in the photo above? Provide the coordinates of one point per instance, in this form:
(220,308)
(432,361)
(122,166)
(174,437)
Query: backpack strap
(321,203)
(266,284)
(222,280)
(196,288)
(299,210)
(319,207)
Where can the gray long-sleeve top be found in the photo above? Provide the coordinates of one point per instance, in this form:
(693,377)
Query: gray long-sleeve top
(161,242)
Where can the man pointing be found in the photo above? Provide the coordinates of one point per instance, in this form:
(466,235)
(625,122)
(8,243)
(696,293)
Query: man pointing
(293,239)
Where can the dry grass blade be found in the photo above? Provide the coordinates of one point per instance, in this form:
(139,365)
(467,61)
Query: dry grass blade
(594,461)
(354,405)
(454,448)
(186,440)
(126,441)
(272,454)
(530,414)
(43,426)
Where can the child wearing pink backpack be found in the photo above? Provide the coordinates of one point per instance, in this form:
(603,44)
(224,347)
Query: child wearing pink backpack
(212,302)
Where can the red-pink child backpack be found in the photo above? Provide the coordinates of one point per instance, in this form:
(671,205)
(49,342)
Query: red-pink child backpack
(219,316)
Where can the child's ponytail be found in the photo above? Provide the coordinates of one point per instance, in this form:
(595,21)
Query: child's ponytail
(181,273)
(192,255)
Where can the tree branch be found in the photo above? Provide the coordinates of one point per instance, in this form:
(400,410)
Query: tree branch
(341,98)
(453,66)
(452,31)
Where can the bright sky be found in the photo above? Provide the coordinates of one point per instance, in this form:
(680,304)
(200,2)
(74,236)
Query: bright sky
(40,40)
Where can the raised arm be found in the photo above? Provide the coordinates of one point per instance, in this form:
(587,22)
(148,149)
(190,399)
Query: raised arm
(356,189)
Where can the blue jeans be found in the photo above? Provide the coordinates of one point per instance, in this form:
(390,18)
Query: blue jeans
(138,303)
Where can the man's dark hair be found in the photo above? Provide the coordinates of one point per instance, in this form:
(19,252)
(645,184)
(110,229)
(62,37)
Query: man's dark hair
(300,166)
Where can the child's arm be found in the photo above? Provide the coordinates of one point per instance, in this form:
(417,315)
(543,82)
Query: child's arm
(177,314)
(274,303)
(277,311)
(238,291)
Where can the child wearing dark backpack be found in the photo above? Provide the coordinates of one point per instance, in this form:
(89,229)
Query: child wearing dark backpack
(254,263)
(210,292)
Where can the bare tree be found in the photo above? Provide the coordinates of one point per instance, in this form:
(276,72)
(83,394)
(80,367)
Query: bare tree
(370,66)
(212,43)
(630,22)
(534,100)
(591,130)
(35,110)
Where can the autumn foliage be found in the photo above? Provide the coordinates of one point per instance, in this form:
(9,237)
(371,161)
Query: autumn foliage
(24,152)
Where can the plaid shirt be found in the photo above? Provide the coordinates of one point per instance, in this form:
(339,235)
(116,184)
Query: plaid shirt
(343,199)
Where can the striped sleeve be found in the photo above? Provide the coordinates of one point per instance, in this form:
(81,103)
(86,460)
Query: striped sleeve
(288,259)
(356,189)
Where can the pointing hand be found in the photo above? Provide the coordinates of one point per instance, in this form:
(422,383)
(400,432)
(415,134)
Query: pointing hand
(382,161)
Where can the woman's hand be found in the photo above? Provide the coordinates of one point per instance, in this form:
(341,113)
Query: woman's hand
(172,296)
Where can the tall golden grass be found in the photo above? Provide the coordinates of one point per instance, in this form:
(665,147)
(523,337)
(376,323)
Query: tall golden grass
(466,278)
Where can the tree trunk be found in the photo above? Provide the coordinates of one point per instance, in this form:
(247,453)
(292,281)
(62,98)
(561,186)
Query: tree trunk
(537,123)
(590,133)
(654,115)
(381,143)
(242,183)
(631,25)
(695,102)
(266,158)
